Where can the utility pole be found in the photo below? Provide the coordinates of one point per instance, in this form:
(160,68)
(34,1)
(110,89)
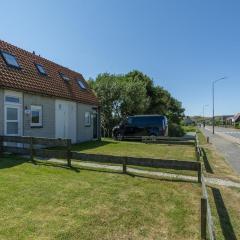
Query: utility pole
(213,93)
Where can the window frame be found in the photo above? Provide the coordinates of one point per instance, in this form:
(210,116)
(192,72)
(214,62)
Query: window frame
(12,96)
(40,109)
(5,60)
(88,122)
(37,65)
(83,86)
(64,76)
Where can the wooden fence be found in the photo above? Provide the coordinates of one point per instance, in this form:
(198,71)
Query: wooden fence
(26,146)
(207,226)
(30,142)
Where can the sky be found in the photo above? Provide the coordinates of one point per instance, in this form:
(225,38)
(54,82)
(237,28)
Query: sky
(183,45)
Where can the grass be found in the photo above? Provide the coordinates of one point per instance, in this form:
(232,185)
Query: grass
(49,202)
(189,128)
(226,212)
(137,149)
(224,201)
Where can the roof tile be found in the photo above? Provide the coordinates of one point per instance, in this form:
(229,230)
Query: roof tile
(29,79)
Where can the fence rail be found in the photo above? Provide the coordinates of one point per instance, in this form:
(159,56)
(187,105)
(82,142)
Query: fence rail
(164,140)
(28,144)
(207,225)
(69,155)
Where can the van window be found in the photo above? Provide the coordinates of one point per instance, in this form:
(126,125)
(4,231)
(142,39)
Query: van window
(130,121)
(148,121)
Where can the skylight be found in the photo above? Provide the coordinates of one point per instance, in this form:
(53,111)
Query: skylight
(64,77)
(41,69)
(10,59)
(81,84)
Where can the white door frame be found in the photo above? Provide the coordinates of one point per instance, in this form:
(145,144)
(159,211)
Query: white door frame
(18,120)
(17,106)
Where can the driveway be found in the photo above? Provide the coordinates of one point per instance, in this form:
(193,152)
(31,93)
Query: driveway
(227,142)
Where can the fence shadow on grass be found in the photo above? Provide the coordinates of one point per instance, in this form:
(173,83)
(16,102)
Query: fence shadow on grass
(225,221)
(91,145)
(8,161)
(111,171)
(57,165)
(206,162)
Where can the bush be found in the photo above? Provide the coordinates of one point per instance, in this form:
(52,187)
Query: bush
(189,129)
(237,125)
(175,130)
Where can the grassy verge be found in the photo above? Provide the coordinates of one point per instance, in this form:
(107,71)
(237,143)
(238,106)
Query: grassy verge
(47,202)
(189,128)
(215,164)
(226,212)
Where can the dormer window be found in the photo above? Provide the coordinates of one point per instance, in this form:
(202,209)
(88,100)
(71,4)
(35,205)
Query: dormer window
(10,59)
(41,69)
(64,77)
(81,84)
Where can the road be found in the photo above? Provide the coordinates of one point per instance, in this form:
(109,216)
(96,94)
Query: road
(227,142)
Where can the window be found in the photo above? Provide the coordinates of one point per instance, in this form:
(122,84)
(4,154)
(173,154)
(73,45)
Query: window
(36,116)
(12,121)
(11,99)
(87,119)
(64,77)
(41,69)
(10,59)
(81,84)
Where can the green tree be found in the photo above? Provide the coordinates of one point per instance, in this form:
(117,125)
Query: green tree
(130,94)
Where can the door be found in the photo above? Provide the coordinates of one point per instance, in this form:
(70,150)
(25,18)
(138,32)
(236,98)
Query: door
(95,125)
(12,120)
(65,122)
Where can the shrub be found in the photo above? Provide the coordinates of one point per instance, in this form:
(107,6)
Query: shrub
(175,130)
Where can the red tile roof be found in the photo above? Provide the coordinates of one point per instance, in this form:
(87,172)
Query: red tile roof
(28,78)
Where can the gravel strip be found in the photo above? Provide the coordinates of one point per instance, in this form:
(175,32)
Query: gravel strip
(215,181)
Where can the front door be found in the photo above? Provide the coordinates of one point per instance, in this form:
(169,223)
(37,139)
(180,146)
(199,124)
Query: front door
(95,126)
(65,122)
(12,120)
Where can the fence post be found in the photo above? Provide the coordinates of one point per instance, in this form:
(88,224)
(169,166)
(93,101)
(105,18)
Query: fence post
(124,165)
(1,145)
(69,153)
(31,149)
(200,173)
(203,218)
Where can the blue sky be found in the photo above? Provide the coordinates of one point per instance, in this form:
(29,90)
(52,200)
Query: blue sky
(182,44)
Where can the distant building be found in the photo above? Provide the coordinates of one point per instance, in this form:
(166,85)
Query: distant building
(188,121)
(236,118)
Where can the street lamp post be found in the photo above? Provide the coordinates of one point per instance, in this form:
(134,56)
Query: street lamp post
(213,93)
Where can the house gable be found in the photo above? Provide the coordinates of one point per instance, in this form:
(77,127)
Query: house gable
(27,78)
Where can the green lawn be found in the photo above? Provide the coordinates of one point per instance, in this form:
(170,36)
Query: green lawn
(137,149)
(52,202)
(226,212)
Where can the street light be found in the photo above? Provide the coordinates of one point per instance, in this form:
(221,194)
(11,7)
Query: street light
(213,86)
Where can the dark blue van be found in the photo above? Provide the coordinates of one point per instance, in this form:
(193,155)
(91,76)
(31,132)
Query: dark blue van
(141,125)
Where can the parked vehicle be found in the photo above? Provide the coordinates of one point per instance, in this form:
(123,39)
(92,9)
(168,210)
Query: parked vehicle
(141,125)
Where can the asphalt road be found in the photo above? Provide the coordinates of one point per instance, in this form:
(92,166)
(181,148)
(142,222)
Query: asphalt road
(228,131)
(227,143)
